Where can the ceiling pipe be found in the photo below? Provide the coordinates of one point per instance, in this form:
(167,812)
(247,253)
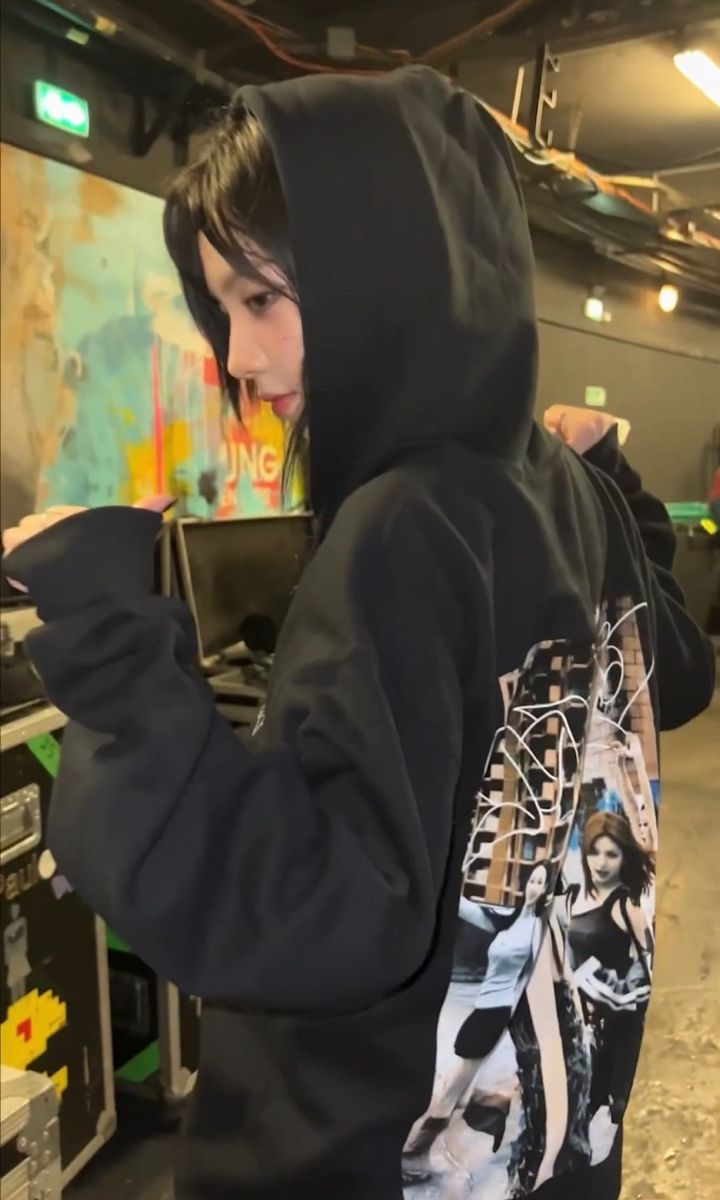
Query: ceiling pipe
(111,22)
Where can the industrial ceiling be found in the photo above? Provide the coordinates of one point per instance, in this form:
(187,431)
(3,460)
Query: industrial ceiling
(628,159)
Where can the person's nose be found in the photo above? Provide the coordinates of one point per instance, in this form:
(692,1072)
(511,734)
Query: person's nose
(246,357)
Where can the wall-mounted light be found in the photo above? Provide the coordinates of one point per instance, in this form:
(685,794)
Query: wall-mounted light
(700,69)
(668,298)
(594,306)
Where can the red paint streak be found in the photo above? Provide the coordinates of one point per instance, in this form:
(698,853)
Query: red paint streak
(239,435)
(24,1030)
(210,373)
(157,420)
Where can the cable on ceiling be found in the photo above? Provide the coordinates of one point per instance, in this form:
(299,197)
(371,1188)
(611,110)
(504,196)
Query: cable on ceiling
(445,50)
(259,30)
(606,165)
(561,160)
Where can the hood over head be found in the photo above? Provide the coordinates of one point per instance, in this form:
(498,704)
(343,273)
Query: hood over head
(414,270)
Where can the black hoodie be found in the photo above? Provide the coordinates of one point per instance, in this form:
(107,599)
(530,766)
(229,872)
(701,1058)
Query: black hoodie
(462,716)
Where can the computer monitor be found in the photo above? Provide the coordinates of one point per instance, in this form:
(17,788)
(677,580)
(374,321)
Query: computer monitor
(165,567)
(239,576)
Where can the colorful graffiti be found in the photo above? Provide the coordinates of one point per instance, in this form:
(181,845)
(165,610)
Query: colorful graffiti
(108,391)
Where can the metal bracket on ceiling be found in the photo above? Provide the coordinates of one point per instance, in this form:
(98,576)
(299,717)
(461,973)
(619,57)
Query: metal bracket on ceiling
(144,134)
(541,99)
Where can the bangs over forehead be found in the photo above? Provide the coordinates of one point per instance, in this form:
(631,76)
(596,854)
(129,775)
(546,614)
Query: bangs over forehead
(232,194)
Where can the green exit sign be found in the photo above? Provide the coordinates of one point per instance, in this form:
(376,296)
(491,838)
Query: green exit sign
(595,397)
(61,109)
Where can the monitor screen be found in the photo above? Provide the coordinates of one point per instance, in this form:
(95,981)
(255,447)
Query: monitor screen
(239,577)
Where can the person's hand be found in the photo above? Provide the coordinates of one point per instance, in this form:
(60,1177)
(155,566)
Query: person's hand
(38,522)
(579,428)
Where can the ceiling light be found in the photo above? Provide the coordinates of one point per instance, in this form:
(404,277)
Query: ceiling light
(699,68)
(668,297)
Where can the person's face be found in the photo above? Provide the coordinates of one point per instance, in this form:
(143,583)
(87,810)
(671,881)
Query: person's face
(265,345)
(605,862)
(536,885)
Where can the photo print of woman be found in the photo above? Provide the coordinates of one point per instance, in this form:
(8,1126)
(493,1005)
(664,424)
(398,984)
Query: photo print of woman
(539,1034)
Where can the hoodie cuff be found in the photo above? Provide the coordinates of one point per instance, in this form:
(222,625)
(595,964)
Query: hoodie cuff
(92,556)
(607,457)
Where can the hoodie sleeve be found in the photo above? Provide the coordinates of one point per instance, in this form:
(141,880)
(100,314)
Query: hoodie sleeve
(685,660)
(301,876)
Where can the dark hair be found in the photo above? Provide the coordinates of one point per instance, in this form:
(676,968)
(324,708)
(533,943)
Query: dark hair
(542,903)
(232,194)
(638,866)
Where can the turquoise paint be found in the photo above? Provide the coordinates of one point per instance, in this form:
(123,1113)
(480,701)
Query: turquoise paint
(92,465)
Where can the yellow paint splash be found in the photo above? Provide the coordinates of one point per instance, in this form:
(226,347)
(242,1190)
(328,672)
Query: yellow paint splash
(141,461)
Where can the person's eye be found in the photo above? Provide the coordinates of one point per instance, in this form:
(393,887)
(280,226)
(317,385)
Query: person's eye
(261,302)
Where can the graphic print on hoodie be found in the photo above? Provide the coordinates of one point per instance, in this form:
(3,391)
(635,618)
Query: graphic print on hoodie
(308,888)
(535,1060)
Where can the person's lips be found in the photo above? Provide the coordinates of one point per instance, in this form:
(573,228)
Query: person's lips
(283,406)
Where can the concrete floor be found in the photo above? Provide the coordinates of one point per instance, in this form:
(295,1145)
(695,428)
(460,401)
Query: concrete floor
(672,1139)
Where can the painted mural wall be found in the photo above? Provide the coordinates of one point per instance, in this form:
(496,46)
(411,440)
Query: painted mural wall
(107,391)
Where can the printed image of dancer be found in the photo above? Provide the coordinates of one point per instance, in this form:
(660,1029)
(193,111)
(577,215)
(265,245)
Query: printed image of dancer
(511,955)
(611,943)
